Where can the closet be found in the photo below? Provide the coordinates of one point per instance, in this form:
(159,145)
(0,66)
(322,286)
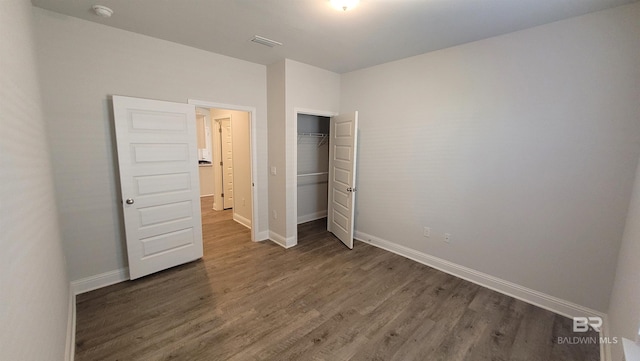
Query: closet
(313,167)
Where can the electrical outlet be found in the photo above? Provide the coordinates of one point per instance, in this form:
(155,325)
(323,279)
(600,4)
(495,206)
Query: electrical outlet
(447,237)
(275,214)
(426,232)
(273,171)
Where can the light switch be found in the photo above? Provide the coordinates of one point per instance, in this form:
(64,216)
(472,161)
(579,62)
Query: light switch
(273,170)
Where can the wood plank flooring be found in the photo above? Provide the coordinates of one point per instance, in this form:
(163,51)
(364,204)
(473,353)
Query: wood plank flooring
(316,301)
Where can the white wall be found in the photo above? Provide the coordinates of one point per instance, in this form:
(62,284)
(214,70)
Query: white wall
(82,64)
(240,128)
(522,146)
(308,89)
(624,307)
(277,156)
(206,180)
(292,86)
(34,287)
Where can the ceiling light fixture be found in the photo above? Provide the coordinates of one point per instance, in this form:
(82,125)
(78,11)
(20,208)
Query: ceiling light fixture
(344,5)
(102,11)
(264,41)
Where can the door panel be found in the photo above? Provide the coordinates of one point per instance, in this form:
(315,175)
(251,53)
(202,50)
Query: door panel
(162,183)
(227,161)
(157,157)
(167,242)
(145,153)
(342,176)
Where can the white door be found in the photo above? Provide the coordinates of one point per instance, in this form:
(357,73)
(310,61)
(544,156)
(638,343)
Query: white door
(158,161)
(343,140)
(227,163)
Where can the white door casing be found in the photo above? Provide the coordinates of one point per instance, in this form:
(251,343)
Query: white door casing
(157,157)
(343,141)
(227,162)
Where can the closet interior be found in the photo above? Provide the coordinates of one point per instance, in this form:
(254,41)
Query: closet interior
(313,167)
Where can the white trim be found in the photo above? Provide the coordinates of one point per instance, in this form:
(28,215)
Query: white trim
(292,174)
(282,241)
(262,236)
(70,348)
(85,285)
(318,113)
(542,300)
(218,199)
(548,302)
(253,116)
(605,332)
(220,117)
(218,185)
(242,220)
(98,281)
(206,195)
(312,216)
(630,349)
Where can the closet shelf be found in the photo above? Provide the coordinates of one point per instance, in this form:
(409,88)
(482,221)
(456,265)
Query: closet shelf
(322,138)
(312,174)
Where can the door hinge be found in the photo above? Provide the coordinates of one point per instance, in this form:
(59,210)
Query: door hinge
(220,163)
(220,129)
(222,195)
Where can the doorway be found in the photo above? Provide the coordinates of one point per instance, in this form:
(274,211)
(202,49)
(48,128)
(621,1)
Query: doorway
(225,136)
(325,177)
(226,174)
(228,185)
(157,147)
(313,167)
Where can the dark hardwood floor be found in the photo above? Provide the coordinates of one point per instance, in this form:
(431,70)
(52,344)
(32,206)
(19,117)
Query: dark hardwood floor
(315,301)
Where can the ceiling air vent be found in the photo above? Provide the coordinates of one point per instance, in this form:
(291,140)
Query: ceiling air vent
(264,41)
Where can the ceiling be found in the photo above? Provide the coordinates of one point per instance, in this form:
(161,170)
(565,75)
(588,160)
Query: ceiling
(313,32)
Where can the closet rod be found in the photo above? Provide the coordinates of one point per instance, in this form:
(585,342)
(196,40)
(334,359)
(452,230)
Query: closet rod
(323,137)
(312,174)
(315,135)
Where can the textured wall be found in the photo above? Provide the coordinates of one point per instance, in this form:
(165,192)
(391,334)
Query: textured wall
(523,147)
(34,287)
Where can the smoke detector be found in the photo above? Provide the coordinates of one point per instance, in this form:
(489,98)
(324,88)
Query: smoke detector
(102,11)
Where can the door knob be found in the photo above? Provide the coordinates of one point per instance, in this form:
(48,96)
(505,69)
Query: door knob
(351,189)
(129,201)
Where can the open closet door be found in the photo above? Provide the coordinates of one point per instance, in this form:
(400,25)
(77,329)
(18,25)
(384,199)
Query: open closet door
(157,157)
(343,139)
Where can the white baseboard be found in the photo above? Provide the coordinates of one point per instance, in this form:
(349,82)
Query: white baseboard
(242,220)
(542,300)
(282,241)
(551,303)
(70,348)
(98,281)
(548,302)
(312,217)
(262,236)
(206,195)
(85,285)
